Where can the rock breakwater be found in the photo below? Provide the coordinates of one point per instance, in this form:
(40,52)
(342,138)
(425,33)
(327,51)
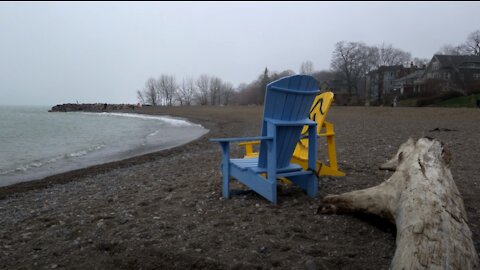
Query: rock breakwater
(92,107)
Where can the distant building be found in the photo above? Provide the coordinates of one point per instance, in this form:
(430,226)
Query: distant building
(382,83)
(450,72)
(406,84)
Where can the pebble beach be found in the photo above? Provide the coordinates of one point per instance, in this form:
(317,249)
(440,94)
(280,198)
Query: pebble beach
(164,210)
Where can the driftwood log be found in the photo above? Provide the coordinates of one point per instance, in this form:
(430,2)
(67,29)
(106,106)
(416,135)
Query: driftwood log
(423,201)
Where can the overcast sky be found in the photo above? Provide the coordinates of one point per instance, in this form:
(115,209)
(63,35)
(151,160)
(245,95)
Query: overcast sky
(54,53)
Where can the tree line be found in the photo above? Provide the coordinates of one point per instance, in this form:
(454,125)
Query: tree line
(350,63)
(204,90)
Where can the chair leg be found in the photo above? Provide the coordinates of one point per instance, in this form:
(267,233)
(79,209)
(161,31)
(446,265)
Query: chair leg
(273,190)
(272,162)
(308,183)
(226,170)
(332,152)
(226,183)
(332,167)
(312,186)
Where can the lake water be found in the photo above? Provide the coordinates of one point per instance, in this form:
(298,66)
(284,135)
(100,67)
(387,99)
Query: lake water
(35,143)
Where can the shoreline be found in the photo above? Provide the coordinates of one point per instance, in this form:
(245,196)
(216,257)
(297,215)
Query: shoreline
(72,175)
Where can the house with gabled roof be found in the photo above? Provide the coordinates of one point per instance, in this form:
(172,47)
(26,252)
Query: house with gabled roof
(406,84)
(452,72)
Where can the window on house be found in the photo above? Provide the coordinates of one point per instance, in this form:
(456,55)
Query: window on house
(476,76)
(436,65)
(471,65)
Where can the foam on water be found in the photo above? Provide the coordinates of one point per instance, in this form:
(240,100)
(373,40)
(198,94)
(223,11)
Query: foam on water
(164,119)
(84,152)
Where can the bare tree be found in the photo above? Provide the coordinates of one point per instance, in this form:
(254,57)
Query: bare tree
(352,60)
(203,85)
(473,43)
(140,97)
(226,93)
(263,80)
(452,50)
(215,90)
(168,86)
(150,93)
(241,96)
(420,62)
(249,93)
(370,58)
(390,56)
(277,75)
(326,75)
(186,91)
(470,47)
(254,92)
(307,68)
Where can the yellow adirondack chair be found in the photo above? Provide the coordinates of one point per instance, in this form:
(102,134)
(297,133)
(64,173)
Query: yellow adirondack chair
(318,112)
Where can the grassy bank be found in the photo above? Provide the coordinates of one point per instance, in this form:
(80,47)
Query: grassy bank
(464,101)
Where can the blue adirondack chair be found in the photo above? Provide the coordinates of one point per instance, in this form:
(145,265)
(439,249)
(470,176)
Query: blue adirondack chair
(287,104)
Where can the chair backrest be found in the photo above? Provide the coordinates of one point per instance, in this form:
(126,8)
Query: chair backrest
(319,110)
(287,99)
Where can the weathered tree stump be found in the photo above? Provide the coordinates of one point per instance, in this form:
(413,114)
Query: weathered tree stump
(421,198)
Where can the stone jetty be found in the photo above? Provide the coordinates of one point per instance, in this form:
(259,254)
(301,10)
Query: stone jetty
(92,107)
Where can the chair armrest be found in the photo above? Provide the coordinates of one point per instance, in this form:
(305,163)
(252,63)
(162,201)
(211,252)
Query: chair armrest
(249,143)
(225,143)
(244,139)
(249,147)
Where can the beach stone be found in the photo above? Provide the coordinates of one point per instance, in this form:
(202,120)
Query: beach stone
(311,265)
(123,220)
(26,235)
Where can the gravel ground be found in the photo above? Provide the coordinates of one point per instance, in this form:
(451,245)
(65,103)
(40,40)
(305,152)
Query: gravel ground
(164,210)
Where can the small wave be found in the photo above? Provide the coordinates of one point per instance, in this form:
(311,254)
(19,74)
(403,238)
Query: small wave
(39,163)
(32,165)
(77,154)
(153,133)
(84,151)
(170,121)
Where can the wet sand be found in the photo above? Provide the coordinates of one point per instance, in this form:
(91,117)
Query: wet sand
(164,210)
